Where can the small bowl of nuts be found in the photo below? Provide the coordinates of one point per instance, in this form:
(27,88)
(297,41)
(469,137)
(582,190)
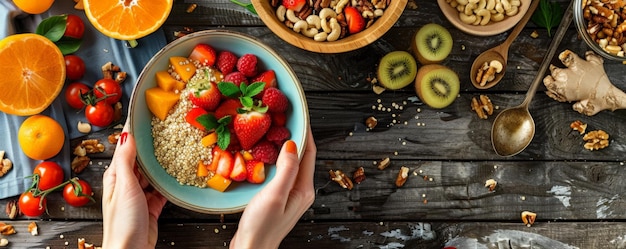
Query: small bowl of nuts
(603,27)
(484,17)
(326,26)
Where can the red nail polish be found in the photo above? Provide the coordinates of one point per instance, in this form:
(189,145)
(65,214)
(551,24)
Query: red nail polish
(123,137)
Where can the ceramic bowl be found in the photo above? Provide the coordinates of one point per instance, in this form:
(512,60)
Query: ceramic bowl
(581,26)
(492,28)
(206,200)
(267,13)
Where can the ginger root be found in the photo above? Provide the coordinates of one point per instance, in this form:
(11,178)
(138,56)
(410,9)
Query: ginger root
(585,82)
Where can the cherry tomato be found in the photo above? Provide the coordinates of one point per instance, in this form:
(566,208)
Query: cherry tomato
(50,174)
(77,198)
(31,205)
(100,114)
(75,27)
(74,94)
(74,67)
(110,87)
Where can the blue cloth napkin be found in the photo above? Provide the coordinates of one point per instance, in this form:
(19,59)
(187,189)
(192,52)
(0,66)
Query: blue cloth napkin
(95,50)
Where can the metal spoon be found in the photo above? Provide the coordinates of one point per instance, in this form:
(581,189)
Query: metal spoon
(500,52)
(514,128)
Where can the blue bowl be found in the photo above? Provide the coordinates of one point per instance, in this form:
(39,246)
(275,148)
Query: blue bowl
(207,200)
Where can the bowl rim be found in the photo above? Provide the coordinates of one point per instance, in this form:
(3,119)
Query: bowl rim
(488,30)
(132,105)
(581,26)
(349,43)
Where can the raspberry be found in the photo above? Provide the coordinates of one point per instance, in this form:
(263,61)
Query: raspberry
(275,100)
(278,134)
(226,62)
(236,77)
(247,65)
(265,151)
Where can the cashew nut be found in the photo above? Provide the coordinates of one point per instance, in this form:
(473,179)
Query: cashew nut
(83,127)
(491,4)
(485,15)
(291,16)
(379,12)
(513,11)
(280,13)
(467,19)
(325,15)
(314,21)
(367,14)
(335,30)
(482,4)
(506,5)
(497,17)
(462,2)
(321,36)
(303,27)
(340,5)
(497,65)
(469,8)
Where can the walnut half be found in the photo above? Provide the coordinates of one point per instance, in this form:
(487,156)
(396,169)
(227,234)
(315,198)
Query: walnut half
(5,164)
(482,106)
(340,178)
(596,140)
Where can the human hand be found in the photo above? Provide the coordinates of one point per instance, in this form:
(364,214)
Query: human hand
(275,210)
(130,207)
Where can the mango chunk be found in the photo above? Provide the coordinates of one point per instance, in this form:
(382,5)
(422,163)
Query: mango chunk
(166,82)
(183,67)
(160,102)
(219,183)
(209,140)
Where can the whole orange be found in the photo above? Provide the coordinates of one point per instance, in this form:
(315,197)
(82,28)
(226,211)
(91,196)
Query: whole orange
(33,7)
(41,137)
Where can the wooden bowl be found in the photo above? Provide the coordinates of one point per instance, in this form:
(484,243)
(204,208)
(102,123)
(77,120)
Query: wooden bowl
(492,28)
(349,43)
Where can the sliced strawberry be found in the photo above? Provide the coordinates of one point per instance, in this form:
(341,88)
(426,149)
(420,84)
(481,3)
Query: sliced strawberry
(239,172)
(206,95)
(256,171)
(250,127)
(227,107)
(225,164)
(295,5)
(356,22)
(204,54)
(215,159)
(268,77)
(275,100)
(192,117)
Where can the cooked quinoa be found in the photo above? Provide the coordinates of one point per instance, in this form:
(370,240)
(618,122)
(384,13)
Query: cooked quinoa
(177,144)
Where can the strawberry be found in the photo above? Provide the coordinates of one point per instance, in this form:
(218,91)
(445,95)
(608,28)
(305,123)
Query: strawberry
(239,173)
(192,117)
(277,134)
(356,22)
(275,100)
(250,127)
(279,118)
(204,54)
(226,62)
(256,171)
(265,151)
(268,77)
(295,5)
(236,78)
(206,95)
(227,107)
(225,164)
(215,159)
(247,64)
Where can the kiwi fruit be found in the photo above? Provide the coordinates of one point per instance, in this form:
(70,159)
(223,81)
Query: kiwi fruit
(396,70)
(437,85)
(431,44)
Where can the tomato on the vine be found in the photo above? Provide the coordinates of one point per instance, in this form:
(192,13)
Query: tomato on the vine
(74,67)
(50,174)
(99,114)
(75,27)
(108,89)
(74,93)
(77,194)
(32,205)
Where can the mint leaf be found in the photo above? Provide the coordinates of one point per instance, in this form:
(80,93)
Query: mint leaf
(548,15)
(52,27)
(228,89)
(223,137)
(208,121)
(254,89)
(246,101)
(248,6)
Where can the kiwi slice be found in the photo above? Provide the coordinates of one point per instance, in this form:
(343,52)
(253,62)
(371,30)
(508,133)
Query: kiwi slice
(437,85)
(396,70)
(431,44)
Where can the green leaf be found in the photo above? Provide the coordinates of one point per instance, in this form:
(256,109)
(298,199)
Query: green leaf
(248,6)
(223,137)
(68,45)
(228,89)
(225,120)
(548,15)
(246,101)
(52,27)
(254,89)
(208,121)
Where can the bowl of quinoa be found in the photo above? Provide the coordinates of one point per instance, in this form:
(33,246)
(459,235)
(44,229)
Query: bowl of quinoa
(168,150)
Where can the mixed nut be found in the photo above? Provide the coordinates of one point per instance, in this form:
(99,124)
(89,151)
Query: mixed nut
(482,12)
(606,24)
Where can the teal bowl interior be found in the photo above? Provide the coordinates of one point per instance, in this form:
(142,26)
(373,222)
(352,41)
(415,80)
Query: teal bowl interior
(206,200)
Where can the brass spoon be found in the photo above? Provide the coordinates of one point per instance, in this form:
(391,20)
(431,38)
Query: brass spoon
(500,52)
(514,128)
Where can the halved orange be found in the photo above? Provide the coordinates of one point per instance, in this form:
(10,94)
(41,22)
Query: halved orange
(33,73)
(127,19)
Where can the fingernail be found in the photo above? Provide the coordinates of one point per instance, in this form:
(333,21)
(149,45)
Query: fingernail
(290,146)
(123,137)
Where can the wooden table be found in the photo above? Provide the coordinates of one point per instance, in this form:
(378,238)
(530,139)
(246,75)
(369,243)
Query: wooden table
(577,194)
